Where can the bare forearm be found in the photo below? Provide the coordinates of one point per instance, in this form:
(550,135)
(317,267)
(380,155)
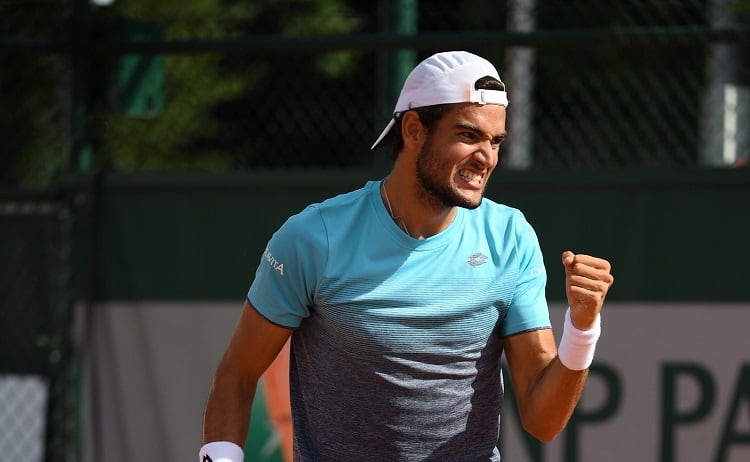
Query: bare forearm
(552,400)
(227,413)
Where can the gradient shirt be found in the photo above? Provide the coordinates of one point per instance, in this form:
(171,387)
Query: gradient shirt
(397,343)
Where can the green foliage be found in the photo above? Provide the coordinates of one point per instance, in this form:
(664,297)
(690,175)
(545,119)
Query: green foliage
(193,84)
(226,111)
(31,124)
(183,135)
(41,128)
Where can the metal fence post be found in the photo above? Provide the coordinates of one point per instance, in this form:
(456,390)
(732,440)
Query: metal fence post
(521,78)
(398,17)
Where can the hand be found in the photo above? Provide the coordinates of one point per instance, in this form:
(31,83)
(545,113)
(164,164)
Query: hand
(587,280)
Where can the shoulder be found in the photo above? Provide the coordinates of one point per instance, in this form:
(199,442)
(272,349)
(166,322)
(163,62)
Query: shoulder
(502,218)
(505,229)
(341,209)
(495,209)
(344,203)
(321,217)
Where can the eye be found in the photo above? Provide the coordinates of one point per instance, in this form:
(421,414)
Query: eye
(497,141)
(469,137)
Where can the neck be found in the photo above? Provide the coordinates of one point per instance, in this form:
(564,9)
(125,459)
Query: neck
(411,212)
(396,218)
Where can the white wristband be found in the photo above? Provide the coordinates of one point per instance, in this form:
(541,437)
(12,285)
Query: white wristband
(577,346)
(221,451)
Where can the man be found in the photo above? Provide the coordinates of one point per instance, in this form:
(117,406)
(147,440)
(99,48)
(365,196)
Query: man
(402,296)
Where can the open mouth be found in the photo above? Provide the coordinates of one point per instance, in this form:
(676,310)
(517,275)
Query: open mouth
(473,178)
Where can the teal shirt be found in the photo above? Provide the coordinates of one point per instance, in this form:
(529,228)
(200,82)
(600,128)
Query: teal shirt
(397,343)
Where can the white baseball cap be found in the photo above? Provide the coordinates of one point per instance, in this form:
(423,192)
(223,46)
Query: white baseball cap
(446,78)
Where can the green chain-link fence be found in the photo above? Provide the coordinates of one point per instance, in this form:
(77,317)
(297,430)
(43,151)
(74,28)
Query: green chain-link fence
(310,84)
(37,367)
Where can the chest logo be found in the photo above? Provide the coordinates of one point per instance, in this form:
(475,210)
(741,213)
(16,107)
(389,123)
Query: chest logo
(477,259)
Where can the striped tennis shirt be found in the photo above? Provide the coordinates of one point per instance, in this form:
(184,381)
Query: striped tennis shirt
(397,342)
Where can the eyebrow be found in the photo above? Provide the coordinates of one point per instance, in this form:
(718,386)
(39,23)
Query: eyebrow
(497,139)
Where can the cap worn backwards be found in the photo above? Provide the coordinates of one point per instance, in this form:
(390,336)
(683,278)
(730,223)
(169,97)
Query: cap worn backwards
(446,78)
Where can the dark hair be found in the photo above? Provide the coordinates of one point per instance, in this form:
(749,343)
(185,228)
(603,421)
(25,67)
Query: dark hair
(430,115)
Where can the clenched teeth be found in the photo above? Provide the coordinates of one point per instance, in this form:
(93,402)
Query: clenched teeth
(469,176)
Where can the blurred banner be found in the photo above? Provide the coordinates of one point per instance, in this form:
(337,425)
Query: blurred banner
(671,382)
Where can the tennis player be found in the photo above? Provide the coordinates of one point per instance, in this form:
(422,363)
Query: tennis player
(402,296)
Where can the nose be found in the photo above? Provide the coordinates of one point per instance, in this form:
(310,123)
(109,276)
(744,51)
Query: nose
(486,153)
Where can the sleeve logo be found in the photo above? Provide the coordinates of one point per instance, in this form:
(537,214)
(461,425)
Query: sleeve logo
(275,264)
(536,271)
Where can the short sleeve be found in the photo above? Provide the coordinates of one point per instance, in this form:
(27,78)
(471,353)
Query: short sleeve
(290,268)
(528,308)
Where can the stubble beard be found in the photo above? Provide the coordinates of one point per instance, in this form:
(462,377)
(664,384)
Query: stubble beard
(435,191)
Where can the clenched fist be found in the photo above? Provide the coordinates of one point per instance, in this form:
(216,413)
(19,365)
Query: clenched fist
(587,280)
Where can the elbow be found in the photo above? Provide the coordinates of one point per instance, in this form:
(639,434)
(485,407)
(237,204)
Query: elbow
(544,423)
(545,437)
(542,431)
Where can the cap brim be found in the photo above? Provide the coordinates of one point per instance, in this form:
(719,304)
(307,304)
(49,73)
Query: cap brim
(382,135)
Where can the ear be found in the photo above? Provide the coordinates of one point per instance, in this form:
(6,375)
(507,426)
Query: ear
(412,130)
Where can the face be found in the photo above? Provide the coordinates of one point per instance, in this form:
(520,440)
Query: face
(459,155)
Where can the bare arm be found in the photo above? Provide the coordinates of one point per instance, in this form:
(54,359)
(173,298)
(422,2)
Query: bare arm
(253,346)
(547,392)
